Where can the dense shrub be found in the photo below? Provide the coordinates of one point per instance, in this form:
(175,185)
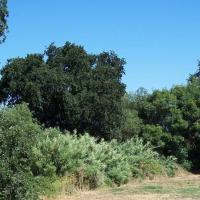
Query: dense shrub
(91,163)
(31,156)
(165,143)
(95,163)
(18,133)
(142,160)
(168,120)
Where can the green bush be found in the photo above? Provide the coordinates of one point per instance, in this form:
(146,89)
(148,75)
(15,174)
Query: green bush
(33,157)
(142,159)
(94,163)
(165,143)
(18,133)
(170,166)
(90,161)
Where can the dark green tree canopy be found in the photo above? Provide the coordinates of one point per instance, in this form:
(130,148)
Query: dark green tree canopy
(3,19)
(69,88)
(170,120)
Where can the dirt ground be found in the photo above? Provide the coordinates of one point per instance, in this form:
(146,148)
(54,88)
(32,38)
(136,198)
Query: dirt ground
(184,187)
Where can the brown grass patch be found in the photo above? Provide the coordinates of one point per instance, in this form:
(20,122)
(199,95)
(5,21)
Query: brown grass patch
(185,186)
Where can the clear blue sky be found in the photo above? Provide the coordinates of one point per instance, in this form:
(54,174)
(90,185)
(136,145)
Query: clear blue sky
(160,39)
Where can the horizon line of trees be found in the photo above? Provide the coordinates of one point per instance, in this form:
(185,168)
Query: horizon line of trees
(68,88)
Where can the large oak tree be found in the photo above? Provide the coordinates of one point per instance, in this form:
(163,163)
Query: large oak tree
(68,88)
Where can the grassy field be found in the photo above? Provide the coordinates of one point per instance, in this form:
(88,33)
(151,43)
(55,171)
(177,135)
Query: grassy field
(181,187)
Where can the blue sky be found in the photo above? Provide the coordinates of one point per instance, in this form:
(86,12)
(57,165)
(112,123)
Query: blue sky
(160,39)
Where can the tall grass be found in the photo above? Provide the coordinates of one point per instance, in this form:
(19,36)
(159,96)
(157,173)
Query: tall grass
(95,163)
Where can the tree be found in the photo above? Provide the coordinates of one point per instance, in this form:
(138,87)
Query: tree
(131,122)
(3,19)
(18,135)
(71,89)
(157,119)
(171,120)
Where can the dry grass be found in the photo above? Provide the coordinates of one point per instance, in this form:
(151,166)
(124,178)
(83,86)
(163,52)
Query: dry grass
(184,186)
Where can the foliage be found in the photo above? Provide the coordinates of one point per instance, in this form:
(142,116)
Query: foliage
(169,119)
(69,88)
(32,157)
(18,134)
(132,124)
(94,163)
(3,19)
(165,143)
(142,160)
(91,163)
